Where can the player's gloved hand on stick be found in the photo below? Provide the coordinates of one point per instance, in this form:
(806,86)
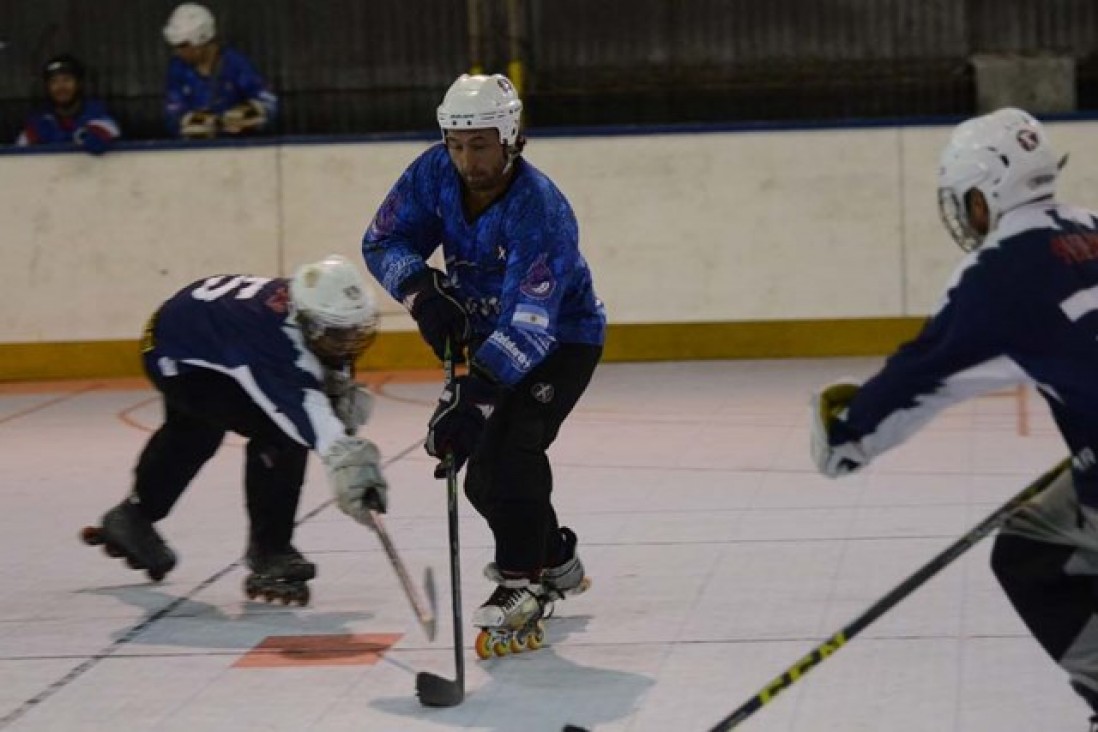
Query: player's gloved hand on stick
(828,410)
(463,408)
(352,403)
(355,474)
(430,299)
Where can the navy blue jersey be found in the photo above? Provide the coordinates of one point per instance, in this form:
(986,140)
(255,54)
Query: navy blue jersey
(46,127)
(517,267)
(233,81)
(242,326)
(1021,308)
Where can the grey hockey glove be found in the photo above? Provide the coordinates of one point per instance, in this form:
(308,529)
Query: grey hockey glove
(353,404)
(198,125)
(828,410)
(245,117)
(430,299)
(463,409)
(355,474)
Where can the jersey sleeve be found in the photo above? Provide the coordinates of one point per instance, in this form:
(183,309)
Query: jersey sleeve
(176,103)
(544,245)
(960,353)
(252,86)
(405,230)
(298,405)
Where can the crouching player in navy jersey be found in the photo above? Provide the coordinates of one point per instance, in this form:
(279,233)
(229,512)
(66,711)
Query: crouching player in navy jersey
(1022,307)
(269,359)
(518,297)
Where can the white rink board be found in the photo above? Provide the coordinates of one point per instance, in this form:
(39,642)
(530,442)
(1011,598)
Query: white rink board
(707,227)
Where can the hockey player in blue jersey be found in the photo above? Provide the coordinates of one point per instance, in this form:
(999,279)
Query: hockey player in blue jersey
(1022,307)
(268,359)
(517,298)
(212,89)
(68,115)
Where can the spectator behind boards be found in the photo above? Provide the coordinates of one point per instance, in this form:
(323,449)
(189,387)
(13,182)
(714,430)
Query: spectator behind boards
(212,90)
(67,116)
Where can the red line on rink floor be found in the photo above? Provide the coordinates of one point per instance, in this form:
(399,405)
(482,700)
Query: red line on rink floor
(48,403)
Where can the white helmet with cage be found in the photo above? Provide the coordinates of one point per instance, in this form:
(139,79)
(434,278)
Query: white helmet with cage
(1006,156)
(477,102)
(190,23)
(335,308)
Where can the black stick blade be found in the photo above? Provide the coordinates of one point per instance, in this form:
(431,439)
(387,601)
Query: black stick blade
(435,691)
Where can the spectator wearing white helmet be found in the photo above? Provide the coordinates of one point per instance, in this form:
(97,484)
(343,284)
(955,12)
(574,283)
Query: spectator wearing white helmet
(269,359)
(212,89)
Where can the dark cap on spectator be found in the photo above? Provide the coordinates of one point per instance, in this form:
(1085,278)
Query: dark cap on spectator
(64,63)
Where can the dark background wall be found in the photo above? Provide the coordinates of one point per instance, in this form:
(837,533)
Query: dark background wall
(361,66)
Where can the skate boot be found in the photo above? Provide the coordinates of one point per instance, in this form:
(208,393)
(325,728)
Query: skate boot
(565,579)
(127,534)
(510,619)
(278,575)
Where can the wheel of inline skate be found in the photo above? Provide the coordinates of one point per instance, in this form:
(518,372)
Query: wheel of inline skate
(156,575)
(501,644)
(535,639)
(112,551)
(303,596)
(483,645)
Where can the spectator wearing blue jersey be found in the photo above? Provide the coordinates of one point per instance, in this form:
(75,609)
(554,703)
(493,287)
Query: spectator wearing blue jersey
(1021,308)
(212,89)
(68,116)
(269,359)
(518,303)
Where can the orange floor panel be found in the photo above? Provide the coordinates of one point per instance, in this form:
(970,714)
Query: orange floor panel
(318,650)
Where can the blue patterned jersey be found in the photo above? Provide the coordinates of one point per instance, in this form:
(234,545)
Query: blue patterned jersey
(1021,308)
(517,268)
(242,326)
(233,81)
(46,127)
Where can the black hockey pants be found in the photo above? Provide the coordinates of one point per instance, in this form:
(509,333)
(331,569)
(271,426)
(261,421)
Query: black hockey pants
(199,408)
(509,479)
(1046,559)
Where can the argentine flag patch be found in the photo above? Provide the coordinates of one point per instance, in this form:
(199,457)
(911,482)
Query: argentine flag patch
(530,317)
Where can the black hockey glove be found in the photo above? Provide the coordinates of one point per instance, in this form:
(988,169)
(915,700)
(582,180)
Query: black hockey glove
(463,408)
(430,299)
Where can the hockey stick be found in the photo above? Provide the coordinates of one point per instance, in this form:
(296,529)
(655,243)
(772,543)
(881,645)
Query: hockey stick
(886,603)
(433,690)
(426,612)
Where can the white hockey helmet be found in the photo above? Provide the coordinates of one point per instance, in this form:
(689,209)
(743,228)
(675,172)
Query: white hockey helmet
(1006,156)
(477,102)
(335,308)
(190,23)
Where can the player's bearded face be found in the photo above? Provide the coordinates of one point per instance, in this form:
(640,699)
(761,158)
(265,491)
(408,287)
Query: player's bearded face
(479,157)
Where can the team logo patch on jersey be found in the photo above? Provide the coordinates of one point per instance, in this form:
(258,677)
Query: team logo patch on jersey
(543,392)
(538,283)
(530,317)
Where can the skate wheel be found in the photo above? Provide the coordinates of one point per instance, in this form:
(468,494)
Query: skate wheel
(112,551)
(502,646)
(303,597)
(483,645)
(156,575)
(91,536)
